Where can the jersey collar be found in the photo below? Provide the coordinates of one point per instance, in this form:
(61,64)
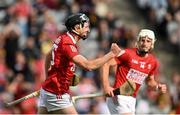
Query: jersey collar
(72,38)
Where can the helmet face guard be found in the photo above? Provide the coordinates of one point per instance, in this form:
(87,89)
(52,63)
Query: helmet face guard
(149,33)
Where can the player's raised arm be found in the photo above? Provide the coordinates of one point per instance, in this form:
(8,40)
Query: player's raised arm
(96,63)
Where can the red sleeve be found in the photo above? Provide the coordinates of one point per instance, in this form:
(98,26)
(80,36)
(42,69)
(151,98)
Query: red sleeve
(70,50)
(155,69)
(122,58)
(117,60)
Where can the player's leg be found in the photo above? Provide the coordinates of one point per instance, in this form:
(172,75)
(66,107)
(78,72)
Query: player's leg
(59,104)
(127,105)
(112,105)
(41,103)
(124,105)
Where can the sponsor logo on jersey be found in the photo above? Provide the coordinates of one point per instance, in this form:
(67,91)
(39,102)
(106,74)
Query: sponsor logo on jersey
(136,76)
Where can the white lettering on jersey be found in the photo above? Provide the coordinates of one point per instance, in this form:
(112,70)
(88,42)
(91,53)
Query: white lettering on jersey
(134,61)
(58,40)
(136,76)
(54,48)
(73,68)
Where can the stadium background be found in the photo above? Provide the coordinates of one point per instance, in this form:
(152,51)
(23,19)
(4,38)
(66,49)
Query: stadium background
(28,27)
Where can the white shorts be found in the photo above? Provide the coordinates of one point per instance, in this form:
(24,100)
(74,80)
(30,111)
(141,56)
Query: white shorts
(54,102)
(121,104)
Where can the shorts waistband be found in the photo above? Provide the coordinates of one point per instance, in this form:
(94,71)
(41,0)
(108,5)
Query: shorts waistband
(117,92)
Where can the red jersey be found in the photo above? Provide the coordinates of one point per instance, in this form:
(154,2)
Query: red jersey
(62,67)
(134,67)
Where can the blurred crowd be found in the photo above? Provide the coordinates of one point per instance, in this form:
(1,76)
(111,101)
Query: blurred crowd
(28,28)
(164,17)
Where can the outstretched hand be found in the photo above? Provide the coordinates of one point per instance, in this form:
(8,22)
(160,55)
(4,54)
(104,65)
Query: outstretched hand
(115,49)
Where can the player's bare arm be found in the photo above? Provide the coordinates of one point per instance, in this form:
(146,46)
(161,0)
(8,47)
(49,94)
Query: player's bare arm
(96,63)
(150,81)
(104,73)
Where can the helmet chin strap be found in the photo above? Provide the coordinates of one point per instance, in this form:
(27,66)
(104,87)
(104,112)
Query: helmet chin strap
(83,37)
(141,52)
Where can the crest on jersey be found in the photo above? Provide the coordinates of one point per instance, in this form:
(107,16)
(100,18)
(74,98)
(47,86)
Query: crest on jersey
(73,48)
(142,64)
